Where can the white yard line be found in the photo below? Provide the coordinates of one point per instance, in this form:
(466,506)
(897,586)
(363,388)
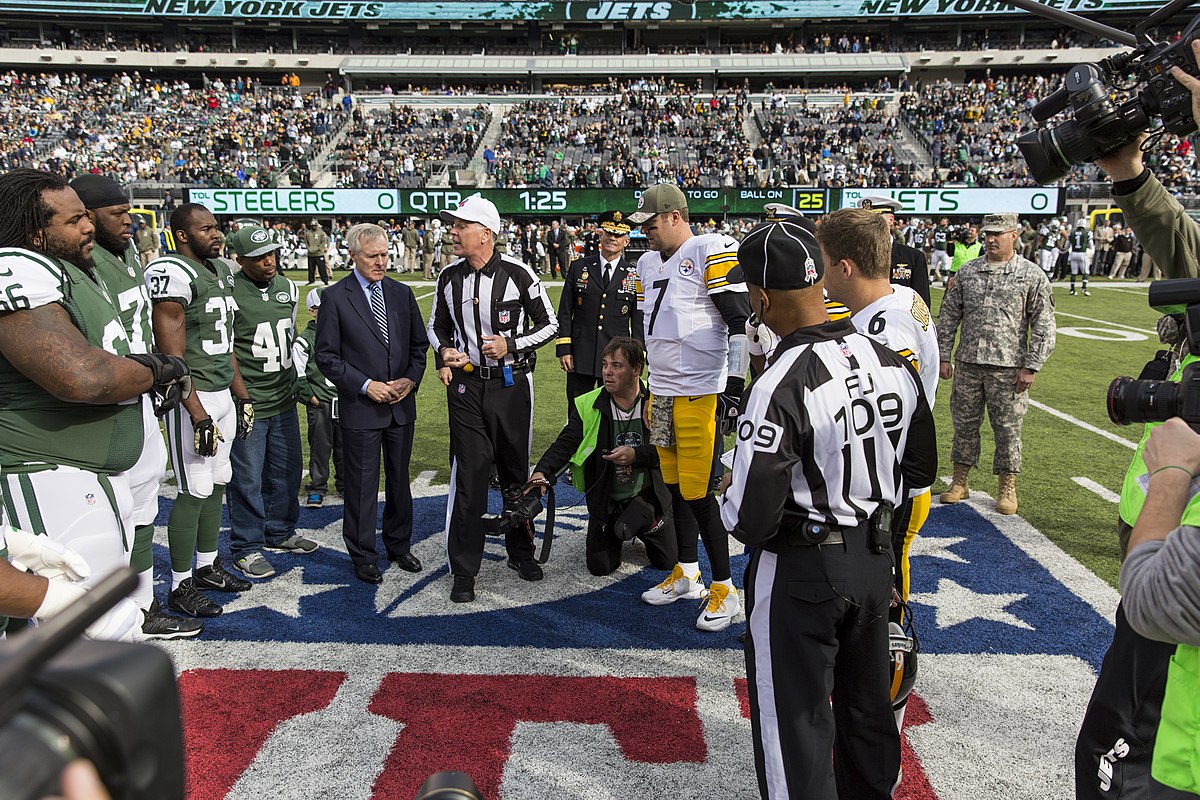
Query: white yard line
(1080,423)
(428,294)
(1107,322)
(1092,486)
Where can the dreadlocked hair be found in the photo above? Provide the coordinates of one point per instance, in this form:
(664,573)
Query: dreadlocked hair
(26,214)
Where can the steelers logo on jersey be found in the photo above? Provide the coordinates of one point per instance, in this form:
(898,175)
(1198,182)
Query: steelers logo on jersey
(686,267)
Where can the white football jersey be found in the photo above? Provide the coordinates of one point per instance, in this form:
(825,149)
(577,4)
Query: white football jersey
(687,341)
(901,320)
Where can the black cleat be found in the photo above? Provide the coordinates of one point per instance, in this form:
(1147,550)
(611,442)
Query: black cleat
(187,599)
(158,625)
(216,577)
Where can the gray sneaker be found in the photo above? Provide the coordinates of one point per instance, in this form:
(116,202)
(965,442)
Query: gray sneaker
(294,544)
(254,566)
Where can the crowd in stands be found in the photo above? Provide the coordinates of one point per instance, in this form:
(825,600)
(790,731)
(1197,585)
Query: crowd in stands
(850,145)
(570,42)
(235,133)
(647,134)
(397,146)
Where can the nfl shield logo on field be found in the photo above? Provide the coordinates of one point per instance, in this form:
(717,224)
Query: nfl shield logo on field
(504,316)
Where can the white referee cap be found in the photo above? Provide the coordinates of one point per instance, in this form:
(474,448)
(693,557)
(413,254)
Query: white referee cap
(475,209)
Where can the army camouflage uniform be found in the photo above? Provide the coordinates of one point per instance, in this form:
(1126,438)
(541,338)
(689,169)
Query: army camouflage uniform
(1006,315)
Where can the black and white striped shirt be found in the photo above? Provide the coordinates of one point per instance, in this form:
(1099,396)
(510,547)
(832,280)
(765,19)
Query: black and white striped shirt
(503,298)
(836,425)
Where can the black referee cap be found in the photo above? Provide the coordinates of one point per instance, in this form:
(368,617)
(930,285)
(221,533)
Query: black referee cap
(781,255)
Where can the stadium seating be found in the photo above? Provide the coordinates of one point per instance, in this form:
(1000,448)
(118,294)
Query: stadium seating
(142,130)
(398,146)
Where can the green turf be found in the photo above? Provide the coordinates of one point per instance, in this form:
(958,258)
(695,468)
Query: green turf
(1074,381)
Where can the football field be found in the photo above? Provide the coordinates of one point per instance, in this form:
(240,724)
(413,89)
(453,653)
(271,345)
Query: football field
(315,685)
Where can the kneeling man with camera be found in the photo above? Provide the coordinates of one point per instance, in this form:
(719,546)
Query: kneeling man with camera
(612,462)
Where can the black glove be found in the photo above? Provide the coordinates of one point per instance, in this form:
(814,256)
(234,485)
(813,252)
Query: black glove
(207,436)
(245,418)
(727,405)
(172,379)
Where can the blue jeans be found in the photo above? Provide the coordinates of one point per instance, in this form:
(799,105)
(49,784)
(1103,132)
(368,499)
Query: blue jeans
(263,502)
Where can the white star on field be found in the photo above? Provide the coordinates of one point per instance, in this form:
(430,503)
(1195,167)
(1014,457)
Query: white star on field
(956,604)
(937,547)
(281,594)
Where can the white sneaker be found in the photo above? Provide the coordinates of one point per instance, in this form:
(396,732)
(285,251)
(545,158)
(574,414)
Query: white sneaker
(722,606)
(676,586)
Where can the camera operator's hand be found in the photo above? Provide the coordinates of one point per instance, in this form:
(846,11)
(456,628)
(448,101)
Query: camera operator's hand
(80,781)
(1024,380)
(1173,444)
(1190,83)
(540,482)
(1125,163)
(623,455)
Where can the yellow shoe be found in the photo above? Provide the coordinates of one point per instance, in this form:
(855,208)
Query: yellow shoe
(722,606)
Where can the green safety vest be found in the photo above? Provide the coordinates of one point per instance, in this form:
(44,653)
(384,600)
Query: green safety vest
(1176,760)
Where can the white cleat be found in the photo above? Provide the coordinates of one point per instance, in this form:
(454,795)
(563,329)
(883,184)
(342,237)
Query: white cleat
(676,586)
(722,606)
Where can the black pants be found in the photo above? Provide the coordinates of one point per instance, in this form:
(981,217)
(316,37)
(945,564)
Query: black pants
(316,263)
(559,260)
(577,384)
(489,423)
(1116,740)
(361,449)
(324,440)
(603,547)
(808,641)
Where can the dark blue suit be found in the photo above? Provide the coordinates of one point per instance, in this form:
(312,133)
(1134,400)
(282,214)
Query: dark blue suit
(350,350)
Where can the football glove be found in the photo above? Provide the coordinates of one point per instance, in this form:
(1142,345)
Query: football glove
(245,418)
(42,556)
(760,340)
(728,403)
(172,379)
(207,437)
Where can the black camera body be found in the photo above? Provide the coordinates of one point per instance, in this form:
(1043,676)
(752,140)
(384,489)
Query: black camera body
(1154,400)
(111,703)
(520,509)
(1098,125)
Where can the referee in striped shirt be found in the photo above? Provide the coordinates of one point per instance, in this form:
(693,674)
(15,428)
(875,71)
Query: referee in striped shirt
(490,314)
(835,429)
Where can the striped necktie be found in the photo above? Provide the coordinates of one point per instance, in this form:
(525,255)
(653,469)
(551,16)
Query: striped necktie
(377,309)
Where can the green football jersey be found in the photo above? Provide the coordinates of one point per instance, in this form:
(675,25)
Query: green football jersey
(312,382)
(262,341)
(37,428)
(206,293)
(125,280)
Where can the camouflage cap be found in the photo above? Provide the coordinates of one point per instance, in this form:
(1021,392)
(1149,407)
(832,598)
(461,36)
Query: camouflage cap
(658,199)
(1001,222)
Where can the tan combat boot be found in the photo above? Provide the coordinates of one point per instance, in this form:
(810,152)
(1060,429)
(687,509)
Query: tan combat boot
(1006,502)
(958,485)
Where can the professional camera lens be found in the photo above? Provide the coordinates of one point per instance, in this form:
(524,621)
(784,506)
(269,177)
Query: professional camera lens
(1052,152)
(1132,401)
